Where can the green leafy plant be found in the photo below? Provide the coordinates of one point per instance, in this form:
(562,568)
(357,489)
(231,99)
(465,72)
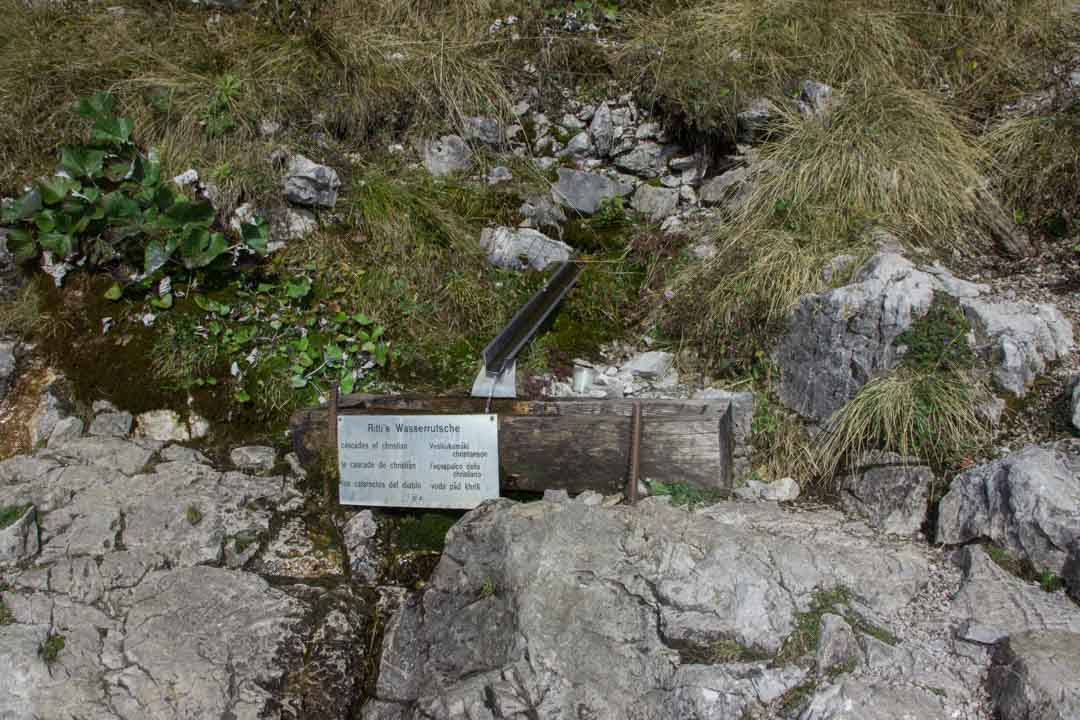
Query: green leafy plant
(193,515)
(685,494)
(611,214)
(109,207)
(269,331)
(217,117)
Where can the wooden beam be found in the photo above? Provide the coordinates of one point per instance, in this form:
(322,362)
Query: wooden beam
(570,444)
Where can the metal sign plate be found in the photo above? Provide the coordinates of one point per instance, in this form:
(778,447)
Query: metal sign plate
(422,461)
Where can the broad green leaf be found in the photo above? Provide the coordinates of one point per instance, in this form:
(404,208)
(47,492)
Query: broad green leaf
(348,382)
(82,162)
(381,353)
(332,353)
(241,396)
(157,253)
(297,289)
(60,243)
(46,220)
(115,130)
(151,169)
(299,381)
(118,205)
(98,105)
(378,332)
(20,243)
(89,194)
(368,347)
(203,302)
(164,302)
(115,292)
(21,209)
(362,319)
(56,188)
(184,212)
(304,360)
(256,235)
(303,343)
(200,247)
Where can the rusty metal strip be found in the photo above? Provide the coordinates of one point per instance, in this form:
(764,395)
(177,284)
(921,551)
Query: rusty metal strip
(635,454)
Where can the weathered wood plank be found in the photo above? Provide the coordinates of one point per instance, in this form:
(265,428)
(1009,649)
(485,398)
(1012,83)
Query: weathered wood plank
(571,444)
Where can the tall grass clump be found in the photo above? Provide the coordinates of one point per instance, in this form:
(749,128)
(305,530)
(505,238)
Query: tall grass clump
(888,157)
(926,407)
(706,59)
(1037,165)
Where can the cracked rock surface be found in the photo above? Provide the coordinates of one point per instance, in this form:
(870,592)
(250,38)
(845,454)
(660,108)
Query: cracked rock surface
(138,603)
(528,616)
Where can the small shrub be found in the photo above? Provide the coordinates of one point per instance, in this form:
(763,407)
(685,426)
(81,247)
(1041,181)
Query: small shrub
(51,648)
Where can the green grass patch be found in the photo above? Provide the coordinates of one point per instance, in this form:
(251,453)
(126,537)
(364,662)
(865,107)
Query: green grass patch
(9,514)
(718,652)
(425,531)
(684,494)
(52,647)
(803,640)
(6,618)
(938,339)
(1022,568)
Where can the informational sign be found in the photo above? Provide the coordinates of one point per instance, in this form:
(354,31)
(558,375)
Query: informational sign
(422,461)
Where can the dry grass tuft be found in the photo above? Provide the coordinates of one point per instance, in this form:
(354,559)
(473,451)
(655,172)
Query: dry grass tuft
(925,414)
(1037,164)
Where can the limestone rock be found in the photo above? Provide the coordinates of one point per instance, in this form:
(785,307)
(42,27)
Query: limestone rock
(889,491)
(108,452)
(111,424)
(359,534)
(288,224)
(656,203)
(753,122)
(602,130)
(1026,502)
(839,340)
(163,425)
(837,646)
(782,490)
(651,364)
(1074,403)
(541,212)
(7,366)
(485,130)
(19,540)
(579,146)
(991,604)
(494,626)
(308,183)
(647,159)
(447,155)
(867,699)
(254,458)
(1018,339)
(1036,676)
(67,429)
(718,190)
(53,407)
(815,99)
(522,247)
(585,191)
